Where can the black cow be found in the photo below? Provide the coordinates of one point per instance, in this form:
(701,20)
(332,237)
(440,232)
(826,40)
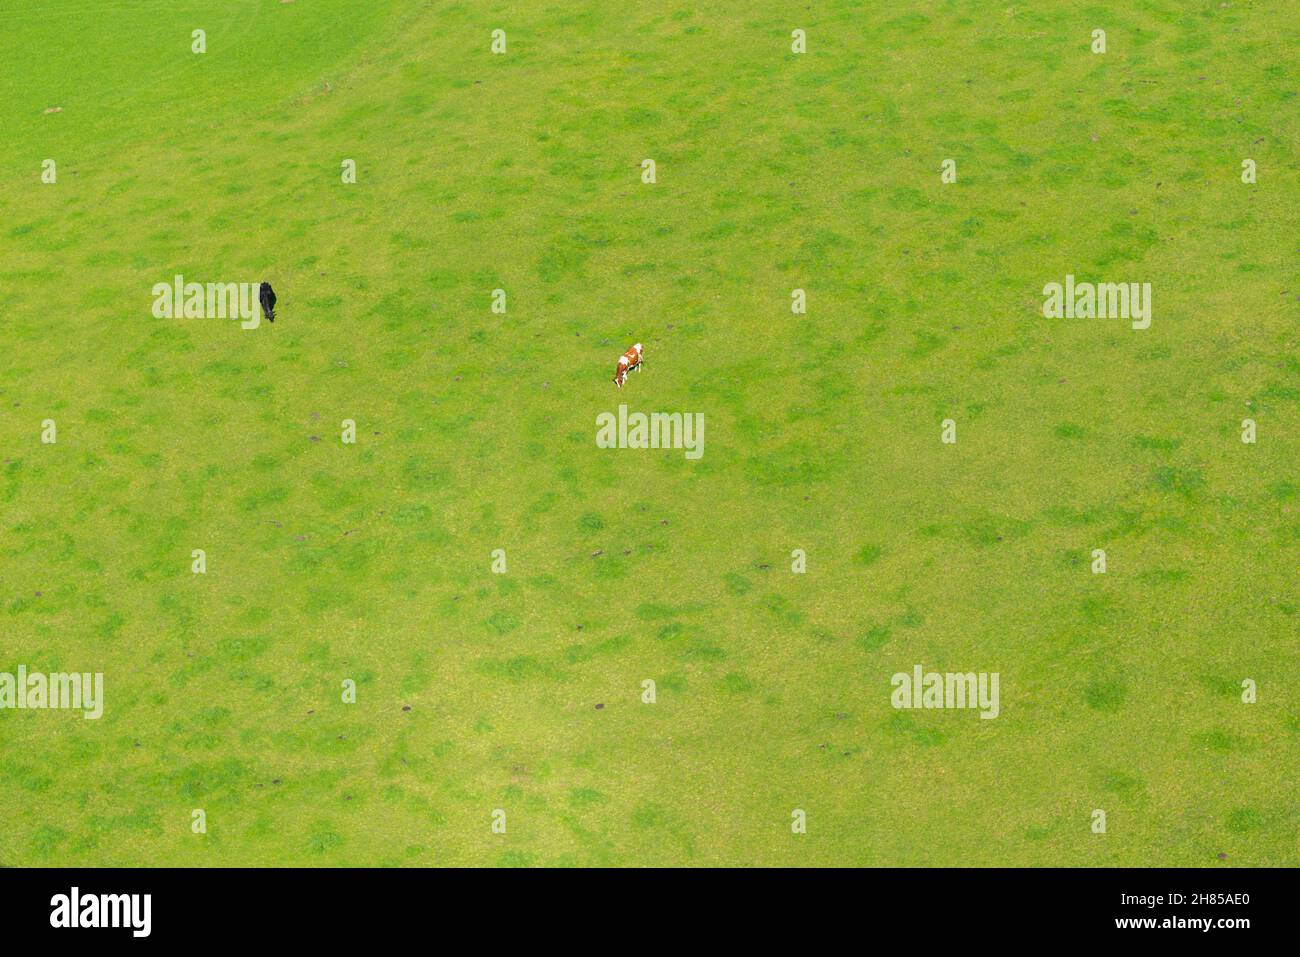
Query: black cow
(267,297)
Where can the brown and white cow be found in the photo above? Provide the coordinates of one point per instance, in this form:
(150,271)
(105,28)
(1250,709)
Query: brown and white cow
(626,363)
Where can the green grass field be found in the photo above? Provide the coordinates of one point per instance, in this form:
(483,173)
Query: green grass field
(475,431)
